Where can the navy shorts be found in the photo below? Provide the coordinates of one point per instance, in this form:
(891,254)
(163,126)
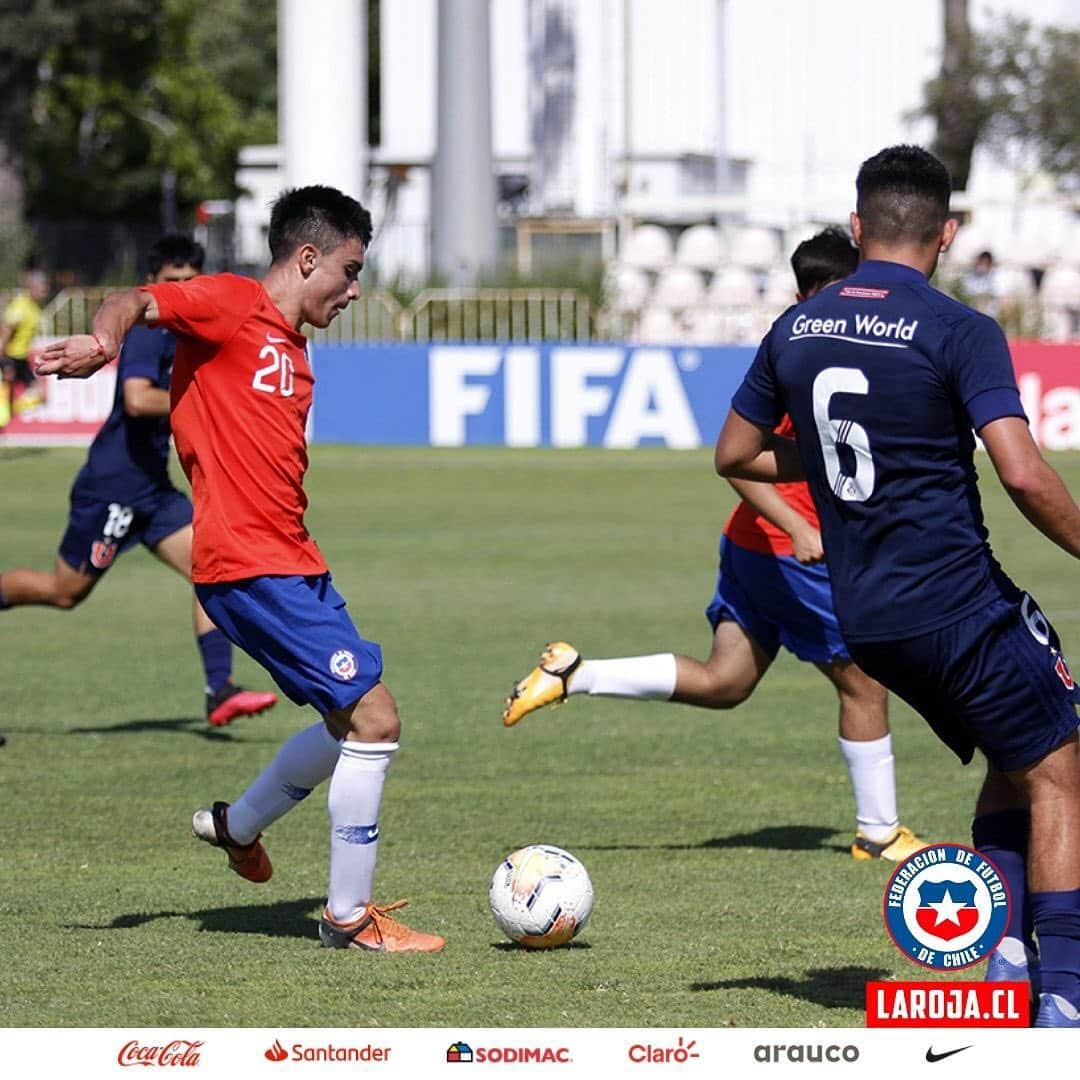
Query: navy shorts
(996,680)
(778,601)
(299,630)
(100,529)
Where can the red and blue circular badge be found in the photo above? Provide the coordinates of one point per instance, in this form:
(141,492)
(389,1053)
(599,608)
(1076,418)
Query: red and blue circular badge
(946,907)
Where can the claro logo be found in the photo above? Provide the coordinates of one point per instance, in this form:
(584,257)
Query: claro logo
(799,1052)
(182,1052)
(652,1054)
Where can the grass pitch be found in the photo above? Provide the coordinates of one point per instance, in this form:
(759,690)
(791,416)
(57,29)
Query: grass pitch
(716,841)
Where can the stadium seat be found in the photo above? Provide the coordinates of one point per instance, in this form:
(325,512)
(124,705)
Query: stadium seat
(1012,282)
(648,247)
(679,288)
(700,247)
(706,326)
(755,248)
(1061,287)
(779,288)
(629,288)
(734,287)
(657,326)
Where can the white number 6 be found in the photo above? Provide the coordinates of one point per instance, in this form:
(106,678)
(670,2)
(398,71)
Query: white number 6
(836,433)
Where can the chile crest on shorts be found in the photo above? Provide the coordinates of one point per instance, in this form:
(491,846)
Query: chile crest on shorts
(946,907)
(343,665)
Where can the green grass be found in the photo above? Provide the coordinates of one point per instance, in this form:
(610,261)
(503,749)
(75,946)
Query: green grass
(716,842)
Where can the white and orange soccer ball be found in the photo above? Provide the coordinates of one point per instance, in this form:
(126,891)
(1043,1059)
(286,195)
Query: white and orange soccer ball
(541,896)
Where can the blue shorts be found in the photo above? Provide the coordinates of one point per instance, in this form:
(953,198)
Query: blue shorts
(299,630)
(100,529)
(995,680)
(778,601)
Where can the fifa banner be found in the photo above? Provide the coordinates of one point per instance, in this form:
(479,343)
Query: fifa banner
(608,395)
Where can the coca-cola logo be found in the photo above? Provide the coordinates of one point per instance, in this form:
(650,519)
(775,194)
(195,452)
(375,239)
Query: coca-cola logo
(184,1052)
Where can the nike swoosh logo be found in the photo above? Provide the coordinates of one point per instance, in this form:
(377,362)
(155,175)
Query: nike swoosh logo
(931,1056)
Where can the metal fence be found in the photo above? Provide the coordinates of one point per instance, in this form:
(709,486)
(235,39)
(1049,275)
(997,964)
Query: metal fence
(535,315)
(449,315)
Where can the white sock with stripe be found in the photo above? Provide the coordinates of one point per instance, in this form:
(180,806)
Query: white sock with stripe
(303,763)
(353,802)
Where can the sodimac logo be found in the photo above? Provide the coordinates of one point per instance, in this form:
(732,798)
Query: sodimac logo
(182,1053)
(508,1055)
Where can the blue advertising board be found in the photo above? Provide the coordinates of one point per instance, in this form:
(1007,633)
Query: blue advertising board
(609,395)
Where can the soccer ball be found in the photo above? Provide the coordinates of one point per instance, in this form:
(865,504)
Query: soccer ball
(541,896)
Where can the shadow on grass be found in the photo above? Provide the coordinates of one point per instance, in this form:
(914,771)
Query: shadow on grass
(184,725)
(14,453)
(284,919)
(774,838)
(829,988)
(512,946)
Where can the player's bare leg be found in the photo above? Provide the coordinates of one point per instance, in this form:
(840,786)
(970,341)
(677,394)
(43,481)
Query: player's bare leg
(1052,788)
(866,746)
(63,587)
(727,678)
(369,732)
(225,701)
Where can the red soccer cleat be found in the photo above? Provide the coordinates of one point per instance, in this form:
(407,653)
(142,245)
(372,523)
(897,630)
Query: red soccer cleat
(232,701)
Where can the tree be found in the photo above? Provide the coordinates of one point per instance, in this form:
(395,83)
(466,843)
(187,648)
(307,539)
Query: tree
(1013,88)
(140,93)
(26,31)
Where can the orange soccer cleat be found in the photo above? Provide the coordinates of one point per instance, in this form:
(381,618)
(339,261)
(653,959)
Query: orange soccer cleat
(376,931)
(250,861)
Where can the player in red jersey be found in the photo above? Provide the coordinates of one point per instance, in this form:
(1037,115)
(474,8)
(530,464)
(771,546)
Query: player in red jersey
(241,391)
(773,589)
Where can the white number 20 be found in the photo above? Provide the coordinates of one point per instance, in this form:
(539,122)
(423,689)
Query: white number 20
(835,433)
(281,366)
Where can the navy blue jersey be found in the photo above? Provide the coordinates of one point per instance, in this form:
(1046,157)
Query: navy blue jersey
(129,457)
(885,379)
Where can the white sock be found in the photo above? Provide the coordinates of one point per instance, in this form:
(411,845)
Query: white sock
(303,763)
(870,766)
(651,677)
(355,793)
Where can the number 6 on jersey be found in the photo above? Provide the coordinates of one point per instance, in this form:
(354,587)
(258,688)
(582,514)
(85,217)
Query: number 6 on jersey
(836,433)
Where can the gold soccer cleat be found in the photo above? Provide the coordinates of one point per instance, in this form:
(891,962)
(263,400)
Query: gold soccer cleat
(897,848)
(546,684)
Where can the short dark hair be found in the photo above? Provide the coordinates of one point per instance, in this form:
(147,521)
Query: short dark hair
(317,215)
(903,195)
(175,249)
(826,257)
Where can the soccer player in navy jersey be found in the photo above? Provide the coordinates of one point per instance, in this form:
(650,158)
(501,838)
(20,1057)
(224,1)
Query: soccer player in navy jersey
(123,495)
(887,381)
(772,589)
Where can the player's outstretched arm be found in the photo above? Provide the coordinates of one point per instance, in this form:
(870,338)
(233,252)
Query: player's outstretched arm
(78,357)
(1033,484)
(752,452)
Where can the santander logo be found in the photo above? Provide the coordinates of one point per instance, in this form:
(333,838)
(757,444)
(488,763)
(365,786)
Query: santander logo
(179,1052)
(277,1052)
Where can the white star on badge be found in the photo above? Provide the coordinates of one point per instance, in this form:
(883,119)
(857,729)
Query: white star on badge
(946,909)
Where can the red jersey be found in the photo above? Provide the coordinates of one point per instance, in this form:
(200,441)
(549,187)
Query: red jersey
(240,394)
(747,528)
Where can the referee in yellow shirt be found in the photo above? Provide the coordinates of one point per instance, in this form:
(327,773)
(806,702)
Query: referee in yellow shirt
(21,320)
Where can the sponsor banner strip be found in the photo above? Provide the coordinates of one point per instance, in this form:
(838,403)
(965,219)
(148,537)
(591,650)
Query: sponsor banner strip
(225,1054)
